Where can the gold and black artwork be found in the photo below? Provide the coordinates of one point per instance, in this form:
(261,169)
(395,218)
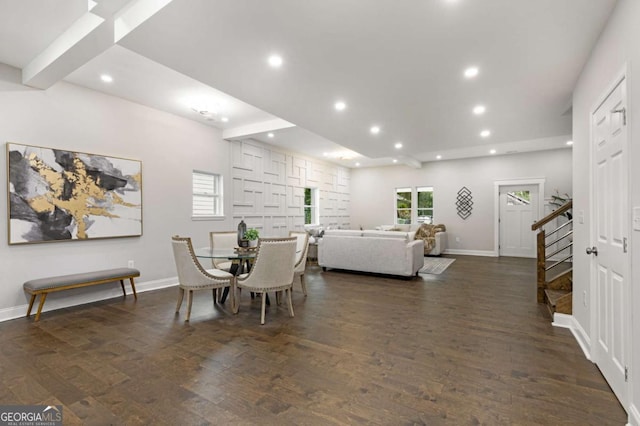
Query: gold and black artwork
(58,195)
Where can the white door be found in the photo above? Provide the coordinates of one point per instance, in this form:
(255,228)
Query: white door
(518,210)
(610,264)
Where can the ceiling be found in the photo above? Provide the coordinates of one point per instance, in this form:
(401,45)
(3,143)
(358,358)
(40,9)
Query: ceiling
(395,64)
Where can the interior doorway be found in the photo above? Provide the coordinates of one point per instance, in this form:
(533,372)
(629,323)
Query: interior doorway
(518,203)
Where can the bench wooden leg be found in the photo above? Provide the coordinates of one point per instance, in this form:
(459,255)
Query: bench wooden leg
(133,287)
(123,290)
(33,299)
(43,297)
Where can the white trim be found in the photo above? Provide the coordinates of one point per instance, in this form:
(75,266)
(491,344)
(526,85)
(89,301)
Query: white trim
(634,416)
(582,337)
(540,181)
(486,253)
(210,218)
(82,299)
(570,322)
(562,320)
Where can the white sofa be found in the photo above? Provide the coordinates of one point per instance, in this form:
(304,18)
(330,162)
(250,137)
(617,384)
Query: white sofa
(383,252)
(440,238)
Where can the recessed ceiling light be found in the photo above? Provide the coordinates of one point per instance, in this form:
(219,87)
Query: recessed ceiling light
(357,164)
(325,154)
(438,157)
(479,109)
(340,106)
(225,119)
(270,135)
(471,72)
(485,133)
(395,160)
(106,78)
(275,61)
(398,145)
(375,130)
(569,143)
(493,151)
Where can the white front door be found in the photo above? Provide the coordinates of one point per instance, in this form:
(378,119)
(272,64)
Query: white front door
(610,227)
(518,210)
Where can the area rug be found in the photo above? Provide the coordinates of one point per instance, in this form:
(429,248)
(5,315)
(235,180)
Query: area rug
(436,265)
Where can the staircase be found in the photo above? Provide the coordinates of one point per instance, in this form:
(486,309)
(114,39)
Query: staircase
(557,244)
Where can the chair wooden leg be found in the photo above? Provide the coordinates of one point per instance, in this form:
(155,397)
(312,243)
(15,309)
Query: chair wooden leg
(304,285)
(232,291)
(289,300)
(264,303)
(180,297)
(235,300)
(189,303)
(214,291)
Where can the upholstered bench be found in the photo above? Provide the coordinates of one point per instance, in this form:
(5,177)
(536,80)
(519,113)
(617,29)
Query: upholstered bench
(44,286)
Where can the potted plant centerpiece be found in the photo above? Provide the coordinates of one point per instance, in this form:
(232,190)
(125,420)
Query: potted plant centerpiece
(252,235)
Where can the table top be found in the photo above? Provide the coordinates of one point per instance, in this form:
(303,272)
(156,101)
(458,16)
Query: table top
(223,253)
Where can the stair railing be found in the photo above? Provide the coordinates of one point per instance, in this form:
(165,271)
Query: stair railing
(561,235)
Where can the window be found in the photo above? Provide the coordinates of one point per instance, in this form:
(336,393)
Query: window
(311,216)
(403,205)
(207,195)
(425,204)
(518,198)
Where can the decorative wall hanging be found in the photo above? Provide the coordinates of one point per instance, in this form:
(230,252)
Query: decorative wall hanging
(464,202)
(57,195)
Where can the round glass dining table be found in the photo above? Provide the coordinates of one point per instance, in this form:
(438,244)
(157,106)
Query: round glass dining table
(241,261)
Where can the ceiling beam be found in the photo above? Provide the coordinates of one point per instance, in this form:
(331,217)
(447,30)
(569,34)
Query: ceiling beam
(134,14)
(410,161)
(97,30)
(249,130)
(86,38)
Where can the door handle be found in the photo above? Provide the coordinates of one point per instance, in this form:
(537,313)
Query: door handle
(592,250)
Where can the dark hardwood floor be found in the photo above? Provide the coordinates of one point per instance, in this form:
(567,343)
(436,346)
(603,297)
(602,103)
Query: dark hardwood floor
(467,347)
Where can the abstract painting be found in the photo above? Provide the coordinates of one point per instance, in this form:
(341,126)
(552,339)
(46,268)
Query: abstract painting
(57,195)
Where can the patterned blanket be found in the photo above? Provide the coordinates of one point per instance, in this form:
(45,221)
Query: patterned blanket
(428,234)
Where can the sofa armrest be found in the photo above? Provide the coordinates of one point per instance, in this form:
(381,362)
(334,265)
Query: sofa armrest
(416,251)
(441,243)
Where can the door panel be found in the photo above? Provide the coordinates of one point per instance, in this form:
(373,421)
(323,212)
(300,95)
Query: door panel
(518,210)
(610,194)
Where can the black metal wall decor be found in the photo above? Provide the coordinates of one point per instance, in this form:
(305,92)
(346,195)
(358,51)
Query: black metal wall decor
(464,202)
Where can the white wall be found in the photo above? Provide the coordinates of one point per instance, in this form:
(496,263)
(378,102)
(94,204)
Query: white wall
(373,191)
(617,46)
(170,148)
(268,188)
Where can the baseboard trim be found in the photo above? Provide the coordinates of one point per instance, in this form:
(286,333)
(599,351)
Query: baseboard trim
(634,416)
(570,322)
(20,311)
(562,320)
(485,253)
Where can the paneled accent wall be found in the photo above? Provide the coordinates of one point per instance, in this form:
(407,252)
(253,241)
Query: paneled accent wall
(268,188)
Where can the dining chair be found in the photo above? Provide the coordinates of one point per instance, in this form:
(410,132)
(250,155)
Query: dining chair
(272,271)
(302,250)
(223,240)
(191,275)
